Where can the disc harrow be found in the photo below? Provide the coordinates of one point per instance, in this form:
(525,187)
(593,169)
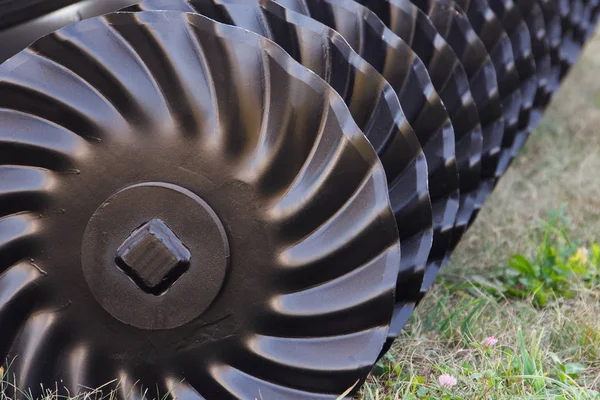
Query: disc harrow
(212,199)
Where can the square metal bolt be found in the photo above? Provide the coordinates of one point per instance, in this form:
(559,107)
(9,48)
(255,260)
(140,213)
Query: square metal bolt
(153,256)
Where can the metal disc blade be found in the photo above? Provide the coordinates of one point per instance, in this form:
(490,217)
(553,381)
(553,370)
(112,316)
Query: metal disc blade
(405,17)
(454,26)
(407,74)
(588,21)
(513,22)
(197,213)
(554,32)
(571,11)
(579,17)
(450,80)
(594,16)
(370,98)
(490,30)
(24,21)
(540,44)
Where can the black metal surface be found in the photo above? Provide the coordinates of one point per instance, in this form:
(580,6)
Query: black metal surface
(413,26)
(206,145)
(583,20)
(370,98)
(450,80)
(500,103)
(407,74)
(372,101)
(551,14)
(589,21)
(15,12)
(540,45)
(494,36)
(513,22)
(588,7)
(592,19)
(456,29)
(579,20)
(570,12)
(454,25)
(594,16)
(24,21)
(578,16)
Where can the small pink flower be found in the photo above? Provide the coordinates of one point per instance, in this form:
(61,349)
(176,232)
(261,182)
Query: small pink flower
(489,342)
(447,380)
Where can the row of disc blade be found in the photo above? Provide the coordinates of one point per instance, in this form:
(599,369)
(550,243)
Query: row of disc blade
(514,56)
(445,92)
(141,114)
(495,65)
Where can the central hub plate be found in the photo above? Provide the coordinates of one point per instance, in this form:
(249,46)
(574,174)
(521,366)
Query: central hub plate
(155,255)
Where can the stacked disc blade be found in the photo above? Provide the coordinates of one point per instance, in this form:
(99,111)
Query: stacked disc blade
(247,198)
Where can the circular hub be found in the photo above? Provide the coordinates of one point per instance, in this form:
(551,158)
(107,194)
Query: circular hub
(155,255)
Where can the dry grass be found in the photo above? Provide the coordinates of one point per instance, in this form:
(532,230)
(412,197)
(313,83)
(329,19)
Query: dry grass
(560,166)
